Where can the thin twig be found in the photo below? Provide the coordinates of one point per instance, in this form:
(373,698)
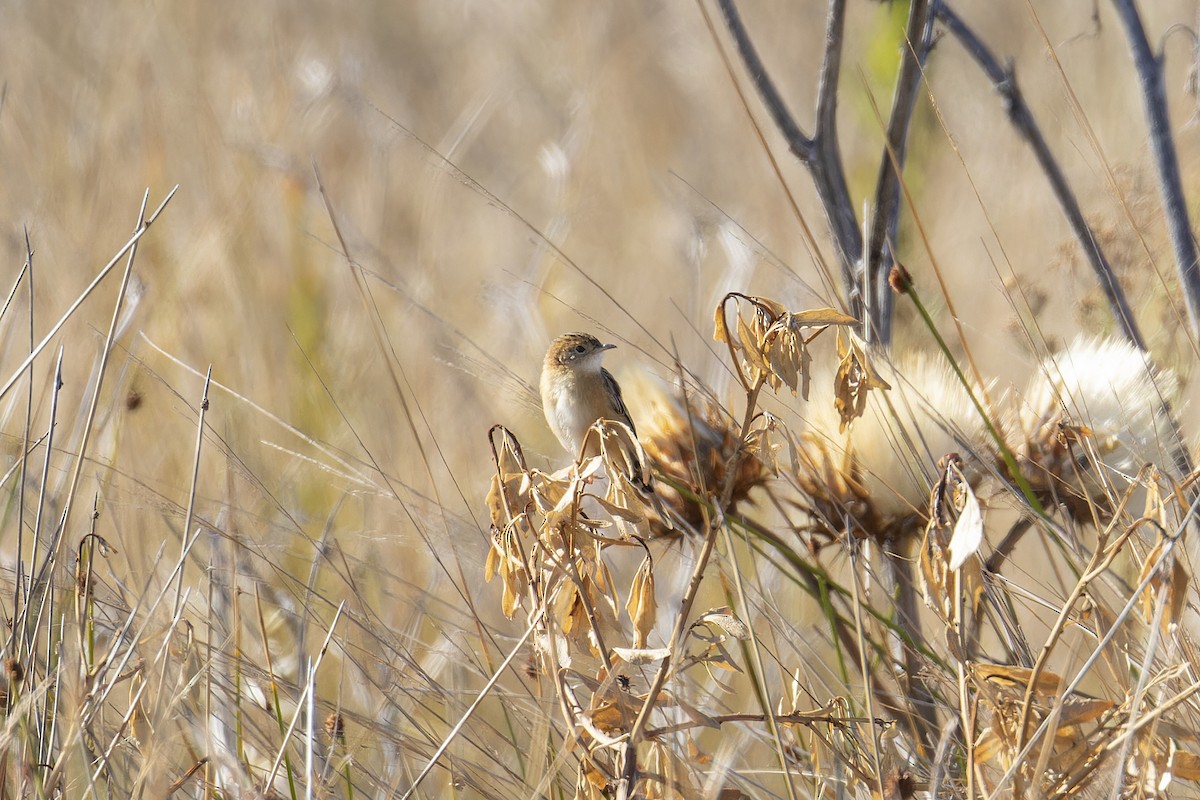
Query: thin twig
(100,276)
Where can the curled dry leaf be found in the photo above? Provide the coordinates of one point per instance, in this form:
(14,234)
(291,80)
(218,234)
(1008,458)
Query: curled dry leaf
(763,446)
(1015,678)
(642,607)
(642,655)
(772,344)
(854,380)
(968,528)
(953,533)
(787,348)
(1172,578)
(726,620)
(504,558)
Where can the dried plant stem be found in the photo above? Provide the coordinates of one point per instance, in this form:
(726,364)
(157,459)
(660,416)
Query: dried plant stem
(763,692)
(27,633)
(629,767)
(483,694)
(309,689)
(19,582)
(195,482)
(1101,560)
(101,369)
(100,276)
(852,547)
(896,567)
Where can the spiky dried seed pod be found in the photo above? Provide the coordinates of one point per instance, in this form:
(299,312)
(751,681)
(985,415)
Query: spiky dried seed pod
(899,279)
(876,474)
(693,446)
(335,727)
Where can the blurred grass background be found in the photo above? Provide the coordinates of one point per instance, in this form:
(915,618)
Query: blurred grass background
(612,129)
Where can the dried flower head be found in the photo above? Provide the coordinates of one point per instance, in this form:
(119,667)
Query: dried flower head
(875,474)
(693,445)
(335,728)
(1093,414)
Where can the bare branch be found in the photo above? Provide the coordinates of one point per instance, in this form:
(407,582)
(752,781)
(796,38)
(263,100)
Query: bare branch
(1149,68)
(820,152)
(885,215)
(1004,80)
(800,144)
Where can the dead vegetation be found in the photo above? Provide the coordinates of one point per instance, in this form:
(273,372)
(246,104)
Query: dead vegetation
(917,531)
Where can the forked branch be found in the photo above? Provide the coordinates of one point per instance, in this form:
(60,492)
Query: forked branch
(820,152)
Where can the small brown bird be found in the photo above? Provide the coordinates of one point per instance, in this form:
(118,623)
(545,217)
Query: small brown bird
(577,391)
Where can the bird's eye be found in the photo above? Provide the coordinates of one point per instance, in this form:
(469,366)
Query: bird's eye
(580,349)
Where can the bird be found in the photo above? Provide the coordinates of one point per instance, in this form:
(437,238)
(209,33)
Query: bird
(577,391)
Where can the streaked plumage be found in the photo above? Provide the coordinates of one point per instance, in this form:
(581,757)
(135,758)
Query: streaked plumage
(577,390)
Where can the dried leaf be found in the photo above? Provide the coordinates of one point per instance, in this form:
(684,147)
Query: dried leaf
(1177,594)
(935,570)
(1185,765)
(562,606)
(493,559)
(620,512)
(694,754)
(782,355)
(608,717)
(1174,581)
(591,783)
(720,324)
(642,607)
(1016,677)
(818,317)
(753,354)
(726,620)
(1082,710)
(968,529)
(718,656)
(805,368)
(854,380)
(495,503)
(642,655)
(988,746)
(511,597)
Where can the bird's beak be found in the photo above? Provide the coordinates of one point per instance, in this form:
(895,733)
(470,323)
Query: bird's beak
(608,347)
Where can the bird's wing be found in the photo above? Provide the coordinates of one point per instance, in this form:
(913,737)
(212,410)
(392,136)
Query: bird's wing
(614,393)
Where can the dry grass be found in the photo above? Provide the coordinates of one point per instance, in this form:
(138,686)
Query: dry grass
(280,592)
